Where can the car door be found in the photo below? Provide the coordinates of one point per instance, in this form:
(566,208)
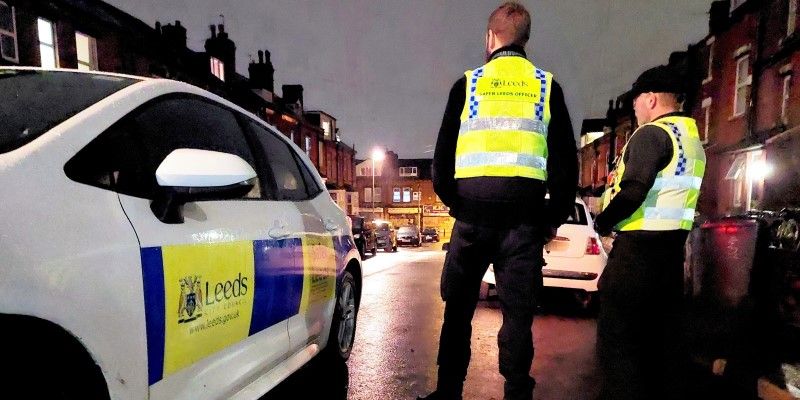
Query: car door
(214,284)
(315,258)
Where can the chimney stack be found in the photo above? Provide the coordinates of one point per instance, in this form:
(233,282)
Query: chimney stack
(262,73)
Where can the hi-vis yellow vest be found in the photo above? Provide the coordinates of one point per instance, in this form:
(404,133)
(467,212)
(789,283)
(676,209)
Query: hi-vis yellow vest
(504,121)
(671,202)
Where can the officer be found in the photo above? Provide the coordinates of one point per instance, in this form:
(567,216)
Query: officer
(650,203)
(506,138)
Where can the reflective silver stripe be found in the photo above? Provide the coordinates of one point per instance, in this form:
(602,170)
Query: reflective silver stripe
(678,182)
(669,213)
(495,159)
(503,124)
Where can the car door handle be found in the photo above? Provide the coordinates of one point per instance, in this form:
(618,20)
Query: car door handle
(279,231)
(330,225)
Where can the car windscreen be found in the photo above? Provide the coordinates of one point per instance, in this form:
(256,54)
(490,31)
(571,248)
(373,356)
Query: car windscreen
(35,101)
(382,226)
(405,231)
(429,231)
(577,216)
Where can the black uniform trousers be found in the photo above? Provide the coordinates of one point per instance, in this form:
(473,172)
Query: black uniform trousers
(640,328)
(516,253)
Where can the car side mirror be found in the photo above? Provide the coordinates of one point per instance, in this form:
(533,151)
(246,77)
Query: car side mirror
(188,175)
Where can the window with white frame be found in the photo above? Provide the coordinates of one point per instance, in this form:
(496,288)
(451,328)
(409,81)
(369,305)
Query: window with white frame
(406,195)
(368,195)
(396,195)
(408,171)
(326,129)
(378,194)
(8,33)
(415,196)
(47,43)
(86,47)
(709,59)
(743,80)
(736,173)
(308,146)
(218,68)
(791,18)
(705,133)
(787,86)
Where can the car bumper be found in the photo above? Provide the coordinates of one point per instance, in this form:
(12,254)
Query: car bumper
(563,273)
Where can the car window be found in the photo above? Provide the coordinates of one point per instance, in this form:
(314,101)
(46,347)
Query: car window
(576,217)
(36,101)
(312,186)
(287,181)
(126,156)
(358,222)
(406,230)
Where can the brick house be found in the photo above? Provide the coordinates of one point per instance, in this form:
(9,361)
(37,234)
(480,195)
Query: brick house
(93,35)
(404,193)
(746,106)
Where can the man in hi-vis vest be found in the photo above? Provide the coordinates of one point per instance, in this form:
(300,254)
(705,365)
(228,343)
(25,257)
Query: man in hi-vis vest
(651,203)
(506,138)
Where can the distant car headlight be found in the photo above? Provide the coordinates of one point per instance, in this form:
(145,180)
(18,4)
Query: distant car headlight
(357,236)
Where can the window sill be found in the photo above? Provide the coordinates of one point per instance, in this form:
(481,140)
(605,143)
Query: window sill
(736,116)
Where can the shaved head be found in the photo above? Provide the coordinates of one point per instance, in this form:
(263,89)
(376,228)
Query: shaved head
(511,22)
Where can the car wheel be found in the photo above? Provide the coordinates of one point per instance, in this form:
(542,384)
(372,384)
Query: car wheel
(343,326)
(394,249)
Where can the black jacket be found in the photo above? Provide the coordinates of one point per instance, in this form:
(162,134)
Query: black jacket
(501,201)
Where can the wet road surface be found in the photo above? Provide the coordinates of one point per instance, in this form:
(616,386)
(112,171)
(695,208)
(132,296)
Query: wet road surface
(398,333)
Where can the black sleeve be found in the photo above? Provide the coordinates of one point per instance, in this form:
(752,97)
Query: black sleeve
(562,160)
(444,157)
(649,151)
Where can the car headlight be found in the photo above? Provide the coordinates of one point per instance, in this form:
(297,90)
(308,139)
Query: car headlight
(357,236)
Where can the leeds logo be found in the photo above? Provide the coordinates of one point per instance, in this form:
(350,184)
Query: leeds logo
(190,304)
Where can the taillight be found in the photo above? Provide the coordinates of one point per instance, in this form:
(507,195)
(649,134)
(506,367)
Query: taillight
(592,247)
(727,227)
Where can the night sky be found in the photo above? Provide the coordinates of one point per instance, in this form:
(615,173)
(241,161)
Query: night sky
(384,68)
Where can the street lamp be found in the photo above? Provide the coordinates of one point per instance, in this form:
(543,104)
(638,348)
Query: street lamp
(377,155)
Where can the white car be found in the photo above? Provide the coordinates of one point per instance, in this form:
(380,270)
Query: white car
(575,258)
(158,241)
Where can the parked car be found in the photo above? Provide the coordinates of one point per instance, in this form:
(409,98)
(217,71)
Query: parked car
(161,242)
(386,235)
(364,235)
(575,258)
(409,235)
(430,235)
